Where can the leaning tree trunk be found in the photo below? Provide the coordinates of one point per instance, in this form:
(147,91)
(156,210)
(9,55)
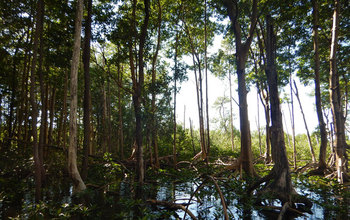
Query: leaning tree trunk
(323,132)
(336,100)
(78,184)
(296,92)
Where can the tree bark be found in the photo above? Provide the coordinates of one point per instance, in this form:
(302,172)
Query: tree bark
(78,184)
(318,100)
(52,115)
(175,91)
(34,113)
(154,129)
(336,100)
(291,113)
(44,102)
(87,93)
(138,83)
(242,48)
(206,78)
(282,184)
(120,115)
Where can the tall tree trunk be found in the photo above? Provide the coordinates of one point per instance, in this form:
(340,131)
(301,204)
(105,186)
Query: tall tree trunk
(78,184)
(258,122)
(61,139)
(304,119)
(12,105)
(138,83)
(323,132)
(87,94)
(199,91)
(174,140)
(104,120)
(120,115)
(206,79)
(231,114)
(52,115)
(192,140)
(336,100)
(154,129)
(242,48)
(291,113)
(282,184)
(175,92)
(43,96)
(34,113)
(264,95)
(24,92)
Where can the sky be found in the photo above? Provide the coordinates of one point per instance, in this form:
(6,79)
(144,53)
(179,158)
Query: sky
(219,88)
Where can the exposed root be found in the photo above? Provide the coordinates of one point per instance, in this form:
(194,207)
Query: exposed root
(224,206)
(306,167)
(286,208)
(278,186)
(189,201)
(319,171)
(283,211)
(172,206)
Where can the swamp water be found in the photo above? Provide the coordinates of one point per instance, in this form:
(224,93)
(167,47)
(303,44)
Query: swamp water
(116,201)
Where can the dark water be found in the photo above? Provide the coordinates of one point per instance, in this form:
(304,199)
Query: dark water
(115,201)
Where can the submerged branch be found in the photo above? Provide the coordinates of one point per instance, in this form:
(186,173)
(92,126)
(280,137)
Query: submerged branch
(173,206)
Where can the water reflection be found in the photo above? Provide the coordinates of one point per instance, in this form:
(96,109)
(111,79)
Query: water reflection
(115,201)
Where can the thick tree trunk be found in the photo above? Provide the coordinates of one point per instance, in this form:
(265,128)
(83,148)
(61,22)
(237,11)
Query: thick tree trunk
(282,184)
(78,184)
(87,94)
(318,100)
(246,158)
(336,100)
